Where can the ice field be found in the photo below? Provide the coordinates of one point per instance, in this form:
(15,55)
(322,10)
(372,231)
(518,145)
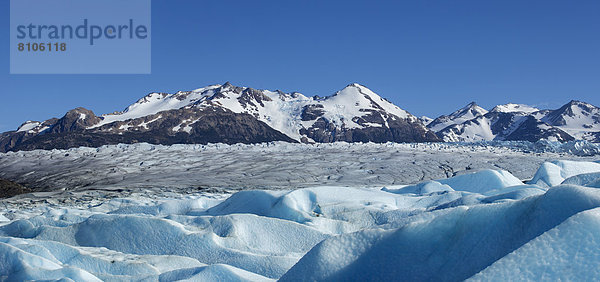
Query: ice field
(276,165)
(501,219)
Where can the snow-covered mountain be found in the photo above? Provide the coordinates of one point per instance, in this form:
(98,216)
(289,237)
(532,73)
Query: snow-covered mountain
(503,126)
(468,112)
(581,120)
(575,120)
(230,114)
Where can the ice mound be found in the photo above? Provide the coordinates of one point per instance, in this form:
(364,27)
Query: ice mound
(512,193)
(586,179)
(266,247)
(452,246)
(336,210)
(216,272)
(422,188)
(102,263)
(333,210)
(595,184)
(169,207)
(476,182)
(567,252)
(554,173)
(16,264)
(482,181)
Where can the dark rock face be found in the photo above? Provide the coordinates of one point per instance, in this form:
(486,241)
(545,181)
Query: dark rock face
(595,137)
(75,120)
(9,189)
(312,112)
(500,122)
(10,139)
(213,125)
(397,130)
(250,96)
(533,130)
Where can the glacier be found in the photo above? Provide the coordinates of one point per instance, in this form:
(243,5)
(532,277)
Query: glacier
(484,223)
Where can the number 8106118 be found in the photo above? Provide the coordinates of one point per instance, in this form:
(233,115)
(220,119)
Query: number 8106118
(42,47)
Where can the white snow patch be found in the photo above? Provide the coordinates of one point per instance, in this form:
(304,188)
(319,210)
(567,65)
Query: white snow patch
(29,125)
(511,108)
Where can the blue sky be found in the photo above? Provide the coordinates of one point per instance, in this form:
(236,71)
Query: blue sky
(428,57)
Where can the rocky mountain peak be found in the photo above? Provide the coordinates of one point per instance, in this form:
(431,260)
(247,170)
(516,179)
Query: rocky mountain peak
(466,113)
(471,110)
(582,105)
(75,120)
(228,87)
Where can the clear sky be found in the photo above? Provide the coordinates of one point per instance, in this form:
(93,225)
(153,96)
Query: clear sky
(428,57)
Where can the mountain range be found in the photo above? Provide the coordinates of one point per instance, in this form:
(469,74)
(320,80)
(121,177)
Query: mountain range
(516,122)
(231,114)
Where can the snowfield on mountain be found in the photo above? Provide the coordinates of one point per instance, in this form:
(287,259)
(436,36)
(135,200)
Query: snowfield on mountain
(504,210)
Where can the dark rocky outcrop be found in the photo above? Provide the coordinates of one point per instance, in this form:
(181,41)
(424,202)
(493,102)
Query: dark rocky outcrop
(9,189)
(396,130)
(533,130)
(75,120)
